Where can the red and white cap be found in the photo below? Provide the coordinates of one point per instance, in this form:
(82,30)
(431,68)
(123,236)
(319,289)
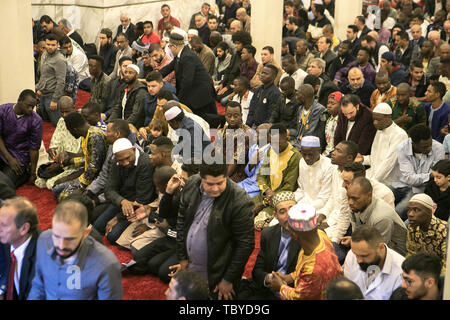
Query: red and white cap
(302,217)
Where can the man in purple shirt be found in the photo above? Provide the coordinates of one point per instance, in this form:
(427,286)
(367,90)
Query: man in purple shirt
(249,65)
(20,140)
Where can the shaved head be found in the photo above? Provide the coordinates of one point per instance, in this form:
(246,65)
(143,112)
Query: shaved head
(306,90)
(403,86)
(363,183)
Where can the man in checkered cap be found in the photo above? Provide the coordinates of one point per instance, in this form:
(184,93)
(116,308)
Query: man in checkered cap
(317,263)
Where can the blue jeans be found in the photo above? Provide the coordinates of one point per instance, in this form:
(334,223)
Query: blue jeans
(402,197)
(53,116)
(105,217)
(341,252)
(57,189)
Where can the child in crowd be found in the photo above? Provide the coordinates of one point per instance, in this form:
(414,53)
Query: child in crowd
(150,133)
(438,188)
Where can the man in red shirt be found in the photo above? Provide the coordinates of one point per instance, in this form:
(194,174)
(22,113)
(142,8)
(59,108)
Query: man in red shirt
(165,12)
(149,37)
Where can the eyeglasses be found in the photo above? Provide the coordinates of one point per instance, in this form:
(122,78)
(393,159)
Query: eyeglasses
(408,281)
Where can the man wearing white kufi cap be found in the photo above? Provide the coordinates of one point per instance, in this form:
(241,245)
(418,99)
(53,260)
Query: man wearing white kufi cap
(317,263)
(383,155)
(315,174)
(130,183)
(129,103)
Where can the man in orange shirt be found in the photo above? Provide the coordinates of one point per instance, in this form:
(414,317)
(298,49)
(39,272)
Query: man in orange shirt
(317,263)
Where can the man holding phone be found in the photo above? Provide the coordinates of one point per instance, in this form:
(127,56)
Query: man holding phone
(130,182)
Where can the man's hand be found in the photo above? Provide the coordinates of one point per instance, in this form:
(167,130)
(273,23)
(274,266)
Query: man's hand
(139,213)
(444,131)
(162,226)
(174,183)
(269,194)
(38,94)
(63,159)
(222,91)
(143,133)
(345,241)
(276,283)
(405,119)
(321,218)
(225,290)
(52,153)
(111,225)
(53,106)
(359,158)
(127,207)
(219,87)
(257,208)
(285,277)
(15,166)
(140,229)
(103,116)
(178,267)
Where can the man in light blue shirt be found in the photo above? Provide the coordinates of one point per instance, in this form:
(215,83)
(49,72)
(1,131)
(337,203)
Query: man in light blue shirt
(416,156)
(71,265)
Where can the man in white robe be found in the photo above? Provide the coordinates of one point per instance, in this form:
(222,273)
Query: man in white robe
(315,174)
(383,155)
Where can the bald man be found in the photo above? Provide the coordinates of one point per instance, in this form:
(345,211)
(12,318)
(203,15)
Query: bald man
(434,36)
(242,16)
(235,26)
(62,141)
(369,210)
(308,115)
(358,85)
(433,65)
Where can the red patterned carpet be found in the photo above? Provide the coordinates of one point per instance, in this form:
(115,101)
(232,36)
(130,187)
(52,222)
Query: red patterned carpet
(134,287)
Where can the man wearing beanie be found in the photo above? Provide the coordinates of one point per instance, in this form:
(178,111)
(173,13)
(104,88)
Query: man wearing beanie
(194,85)
(317,263)
(426,233)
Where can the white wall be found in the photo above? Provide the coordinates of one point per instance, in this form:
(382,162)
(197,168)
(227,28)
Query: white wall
(89,17)
(16,69)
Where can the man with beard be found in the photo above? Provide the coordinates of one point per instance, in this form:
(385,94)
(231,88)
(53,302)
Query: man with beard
(75,56)
(372,265)
(369,210)
(99,82)
(204,52)
(115,84)
(107,50)
(343,59)
(239,132)
(355,123)
(421,279)
(361,62)
(384,90)
(376,49)
(160,59)
(358,85)
(66,254)
(292,70)
(418,80)
(124,50)
(222,61)
(129,104)
(130,181)
(278,251)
